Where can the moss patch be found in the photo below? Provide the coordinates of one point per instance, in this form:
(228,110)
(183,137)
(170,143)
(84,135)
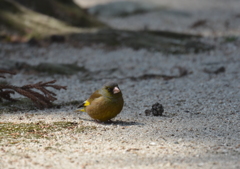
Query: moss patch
(230,39)
(39,130)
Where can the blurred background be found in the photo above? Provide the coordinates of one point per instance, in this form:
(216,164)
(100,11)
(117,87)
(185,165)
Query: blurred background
(20,20)
(85,39)
(182,54)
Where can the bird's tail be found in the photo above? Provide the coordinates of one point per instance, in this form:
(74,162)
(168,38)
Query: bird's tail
(83,106)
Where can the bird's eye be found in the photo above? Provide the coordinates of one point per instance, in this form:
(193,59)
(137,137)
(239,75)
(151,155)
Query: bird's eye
(109,89)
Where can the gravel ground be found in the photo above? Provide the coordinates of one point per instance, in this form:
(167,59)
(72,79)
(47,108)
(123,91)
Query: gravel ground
(200,127)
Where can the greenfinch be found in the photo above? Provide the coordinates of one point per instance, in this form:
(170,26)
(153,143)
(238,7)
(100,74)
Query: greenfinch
(105,103)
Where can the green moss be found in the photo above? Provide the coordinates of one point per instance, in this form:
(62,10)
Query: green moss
(38,130)
(230,39)
(25,130)
(63,124)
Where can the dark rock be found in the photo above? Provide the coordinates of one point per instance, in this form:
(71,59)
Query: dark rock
(157,109)
(148,112)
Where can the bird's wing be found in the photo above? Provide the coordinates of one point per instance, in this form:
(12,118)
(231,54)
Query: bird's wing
(95,95)
(87,102)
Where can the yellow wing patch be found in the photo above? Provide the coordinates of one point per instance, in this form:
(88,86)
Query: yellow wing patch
(86,103)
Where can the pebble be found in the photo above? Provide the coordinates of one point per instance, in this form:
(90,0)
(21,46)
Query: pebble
(152,144)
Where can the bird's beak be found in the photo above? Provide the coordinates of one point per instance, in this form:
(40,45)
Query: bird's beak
(116,90)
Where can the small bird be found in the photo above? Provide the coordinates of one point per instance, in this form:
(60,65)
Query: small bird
(105,103)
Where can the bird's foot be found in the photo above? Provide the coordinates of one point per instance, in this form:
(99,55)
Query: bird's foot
(103,122)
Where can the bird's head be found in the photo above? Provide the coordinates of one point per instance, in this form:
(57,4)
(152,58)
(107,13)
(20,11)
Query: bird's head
(112,89)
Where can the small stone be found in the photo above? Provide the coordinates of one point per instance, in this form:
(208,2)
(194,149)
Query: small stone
(148,112)
(152,144)
(157,109)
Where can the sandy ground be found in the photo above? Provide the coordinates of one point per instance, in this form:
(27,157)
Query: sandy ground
(200,127)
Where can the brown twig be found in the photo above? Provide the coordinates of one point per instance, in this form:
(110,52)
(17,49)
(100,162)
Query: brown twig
(6,95)
(42,99)
(6,71)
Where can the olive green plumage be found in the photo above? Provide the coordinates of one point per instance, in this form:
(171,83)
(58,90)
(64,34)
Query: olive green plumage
(105,103)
